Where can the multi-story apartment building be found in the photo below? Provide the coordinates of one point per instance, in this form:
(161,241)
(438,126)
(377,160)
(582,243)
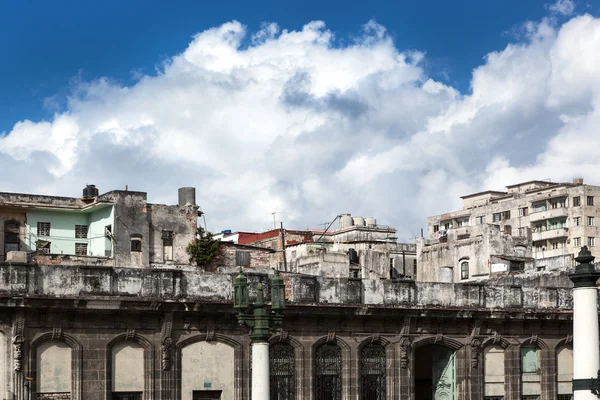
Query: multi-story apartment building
(119,228)
(536,225)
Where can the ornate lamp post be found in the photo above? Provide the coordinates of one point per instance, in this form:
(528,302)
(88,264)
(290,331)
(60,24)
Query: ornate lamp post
(585,327)
(260,321)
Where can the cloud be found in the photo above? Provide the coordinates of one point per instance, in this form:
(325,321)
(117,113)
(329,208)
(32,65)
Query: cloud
(294,122)
(563,7)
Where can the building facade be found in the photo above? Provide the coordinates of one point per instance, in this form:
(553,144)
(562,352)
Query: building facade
(98,333)
(118,228)
(532,226)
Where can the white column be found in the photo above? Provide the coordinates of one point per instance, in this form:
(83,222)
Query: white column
(260,371)
(585,338)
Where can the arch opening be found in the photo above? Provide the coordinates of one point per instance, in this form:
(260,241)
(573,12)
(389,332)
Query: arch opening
(435,373)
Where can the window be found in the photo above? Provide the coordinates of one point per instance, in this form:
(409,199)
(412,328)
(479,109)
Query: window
(81,231)
(167,238)
(590,200)
(554,245)
(136,243)
(557,204)
(464,270)
(501,216)
(43,228)
(564,363)
(539,207)
(529,360)
(576,242)
(126,396)
(493,369)
(11,236)
(372,372)
(242,258)
(447,226)
(127,371)
(328,372)
(507,230)
(591,241)
(436,228)
(293,254)
(43,246)
(415,269)
(591,221)
(282,371)
(523,212)
(576,201)
(81,249)
(531,397)
(577,221)
(564,397)
(480,220)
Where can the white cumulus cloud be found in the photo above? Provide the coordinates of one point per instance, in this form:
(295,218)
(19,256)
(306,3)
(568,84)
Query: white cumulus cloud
(294,123)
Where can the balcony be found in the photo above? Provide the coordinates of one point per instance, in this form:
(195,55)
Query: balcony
(550,234)
(548,214)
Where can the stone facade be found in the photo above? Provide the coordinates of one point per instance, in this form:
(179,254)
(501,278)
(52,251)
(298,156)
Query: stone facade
(173,319)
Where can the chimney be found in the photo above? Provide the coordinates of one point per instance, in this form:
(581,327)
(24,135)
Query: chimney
(578,181)
(187,195)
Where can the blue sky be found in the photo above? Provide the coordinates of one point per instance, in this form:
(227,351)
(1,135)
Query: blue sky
(46,45)
(385,109)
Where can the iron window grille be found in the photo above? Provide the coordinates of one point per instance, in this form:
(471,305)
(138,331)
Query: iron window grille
(81,249)
(328,372)
(372,372)
(282,370)
(43,228)
(81,231)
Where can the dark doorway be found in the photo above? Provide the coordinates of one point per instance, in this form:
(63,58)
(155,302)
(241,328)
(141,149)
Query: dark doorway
(206,394)
(127,396)
(435,373)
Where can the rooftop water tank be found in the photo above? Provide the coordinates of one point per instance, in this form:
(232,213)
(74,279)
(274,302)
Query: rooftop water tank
(358,221)
(90,192)
(370,221)
(346,221)
(187,195)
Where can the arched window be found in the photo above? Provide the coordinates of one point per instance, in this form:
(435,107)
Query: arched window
(372,372)
(464,270)
(282,368)
(53,370)
(530,372)
(127,371)
(493,357)
(564,361)
(328,372)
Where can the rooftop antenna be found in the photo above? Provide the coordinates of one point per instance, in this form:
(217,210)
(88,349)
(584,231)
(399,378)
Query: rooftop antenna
(274,223)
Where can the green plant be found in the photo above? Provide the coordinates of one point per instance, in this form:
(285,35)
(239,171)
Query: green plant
(203,249)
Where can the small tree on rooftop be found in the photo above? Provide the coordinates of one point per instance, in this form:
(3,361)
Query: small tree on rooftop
(203,249)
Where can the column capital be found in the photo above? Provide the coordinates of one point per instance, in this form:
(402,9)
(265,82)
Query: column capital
(585,274)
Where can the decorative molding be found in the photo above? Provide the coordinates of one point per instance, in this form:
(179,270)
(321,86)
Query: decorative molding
(475,352)
(569,339)
(439,338)
(18,340)
(476,328)
(330,337)
(406,326)
(375,338)
(167,342)
(404,352)
(56,332)
(283,335)
(210,333)
(130,334)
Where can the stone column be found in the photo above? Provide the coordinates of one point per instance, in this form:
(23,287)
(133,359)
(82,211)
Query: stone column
(585,325)
(260,371)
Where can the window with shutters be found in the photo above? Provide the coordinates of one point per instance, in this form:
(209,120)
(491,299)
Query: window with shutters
(11,236)
(464,270)
(576,201)
(590,200)
(242,258)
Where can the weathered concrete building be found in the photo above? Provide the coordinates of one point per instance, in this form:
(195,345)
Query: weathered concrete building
(118,228)
(531,226)
(102,332)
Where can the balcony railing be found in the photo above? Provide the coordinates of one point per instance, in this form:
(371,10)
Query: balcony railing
(550,234)
(547,214)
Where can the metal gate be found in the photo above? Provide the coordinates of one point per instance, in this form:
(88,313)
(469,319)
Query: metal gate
(328,372)
(372,372)
(282,371)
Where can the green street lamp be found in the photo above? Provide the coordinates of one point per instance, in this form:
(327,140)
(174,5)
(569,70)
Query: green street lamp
(261,321)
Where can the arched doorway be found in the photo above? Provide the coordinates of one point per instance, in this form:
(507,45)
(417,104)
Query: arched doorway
(435,376)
